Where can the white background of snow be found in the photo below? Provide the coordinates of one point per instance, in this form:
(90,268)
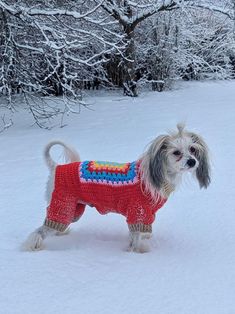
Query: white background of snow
(191,268)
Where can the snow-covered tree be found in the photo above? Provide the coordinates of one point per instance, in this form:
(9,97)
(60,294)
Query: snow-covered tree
(129,15)
(49,49)
(185,44)
(156,50)
(206,44)
(168,20)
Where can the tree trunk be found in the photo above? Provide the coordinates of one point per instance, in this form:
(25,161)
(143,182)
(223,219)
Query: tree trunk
(129,83)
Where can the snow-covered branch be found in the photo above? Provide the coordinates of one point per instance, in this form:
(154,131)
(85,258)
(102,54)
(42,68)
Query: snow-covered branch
(24,10)
(213,8)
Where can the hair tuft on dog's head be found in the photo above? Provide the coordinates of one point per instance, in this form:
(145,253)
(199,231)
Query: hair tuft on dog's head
(181,128)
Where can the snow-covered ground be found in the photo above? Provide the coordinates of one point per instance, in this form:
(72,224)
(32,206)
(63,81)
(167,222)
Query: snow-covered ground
(191,267)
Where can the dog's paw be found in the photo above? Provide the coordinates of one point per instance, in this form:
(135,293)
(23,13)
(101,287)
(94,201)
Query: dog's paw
(33,243)
(139,242)
(142,247)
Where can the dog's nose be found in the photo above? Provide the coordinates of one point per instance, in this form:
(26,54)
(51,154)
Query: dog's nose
(191,163)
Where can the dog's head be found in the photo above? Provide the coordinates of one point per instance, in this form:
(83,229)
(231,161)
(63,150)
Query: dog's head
(169,156)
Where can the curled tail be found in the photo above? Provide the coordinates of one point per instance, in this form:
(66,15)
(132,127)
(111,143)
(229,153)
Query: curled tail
(70,154)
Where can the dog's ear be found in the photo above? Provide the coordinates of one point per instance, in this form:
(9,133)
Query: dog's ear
(158,160)
(203,169)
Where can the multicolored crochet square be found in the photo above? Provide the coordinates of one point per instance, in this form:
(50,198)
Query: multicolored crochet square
(108,172)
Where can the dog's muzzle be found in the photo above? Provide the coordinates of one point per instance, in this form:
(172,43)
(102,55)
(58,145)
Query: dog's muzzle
(191,163)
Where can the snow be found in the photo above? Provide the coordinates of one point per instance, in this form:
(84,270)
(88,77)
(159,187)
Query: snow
(190,268)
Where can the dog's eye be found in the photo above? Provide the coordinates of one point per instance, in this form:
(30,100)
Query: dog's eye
(192,149)
(177,153)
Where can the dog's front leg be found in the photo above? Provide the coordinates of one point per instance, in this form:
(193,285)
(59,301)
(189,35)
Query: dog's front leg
(34,241)
(139,242)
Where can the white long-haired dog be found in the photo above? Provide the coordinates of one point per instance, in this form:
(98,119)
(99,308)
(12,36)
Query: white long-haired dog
(136,190)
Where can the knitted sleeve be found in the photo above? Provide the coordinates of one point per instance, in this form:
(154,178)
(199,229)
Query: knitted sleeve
(140,213)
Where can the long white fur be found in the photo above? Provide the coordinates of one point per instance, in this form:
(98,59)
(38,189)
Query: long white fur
(169,173)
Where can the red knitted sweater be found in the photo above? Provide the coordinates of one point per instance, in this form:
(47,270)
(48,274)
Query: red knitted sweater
(109,187)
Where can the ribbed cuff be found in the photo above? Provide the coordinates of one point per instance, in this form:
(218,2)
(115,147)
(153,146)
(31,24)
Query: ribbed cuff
(140,228)
(55,225)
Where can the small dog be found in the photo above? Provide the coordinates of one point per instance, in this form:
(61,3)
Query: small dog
(136,190)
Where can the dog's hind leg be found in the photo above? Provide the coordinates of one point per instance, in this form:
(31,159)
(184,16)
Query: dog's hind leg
(80,208)
(60,214)
(77,215)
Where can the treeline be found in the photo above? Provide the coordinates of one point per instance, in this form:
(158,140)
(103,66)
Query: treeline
(61,47)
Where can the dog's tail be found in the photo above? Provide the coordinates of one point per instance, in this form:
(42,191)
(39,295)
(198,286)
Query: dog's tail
(70,154)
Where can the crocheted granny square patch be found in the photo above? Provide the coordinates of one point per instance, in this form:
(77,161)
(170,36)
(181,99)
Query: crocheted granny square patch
(108,172)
